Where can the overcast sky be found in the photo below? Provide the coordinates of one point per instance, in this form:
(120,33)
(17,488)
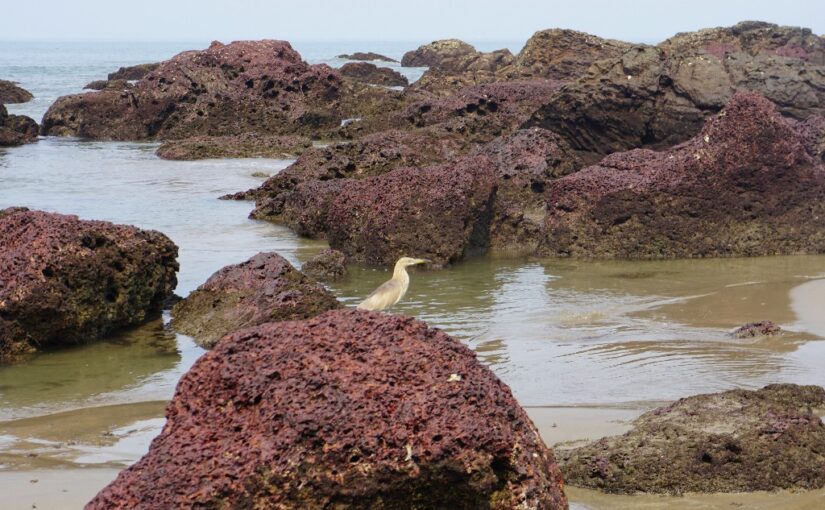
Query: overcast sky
(387,20)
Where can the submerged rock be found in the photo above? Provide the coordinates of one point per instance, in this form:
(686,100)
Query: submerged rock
(374,75)
(745,186)
(347,410)
(734,441)
(66,281)
(367,57)
(247,145)
(16,129)
(246,86)
(10,92)
(265,288)
(659,96)
(754,329)
(329,265)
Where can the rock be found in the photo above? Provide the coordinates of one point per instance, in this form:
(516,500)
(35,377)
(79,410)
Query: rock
(108,84)
(754,329)
(329,265)
(16,129)
(744,186)
(563,55)
(441,213)
(369,156)
(442,55)
(10,93)
(374,75)
(247,145)
(248,86)
(657,97)
(734,441)
(135,72)
(526,162)
(265,288)
(367,57)
(65,281)
(472,69)
(288,415)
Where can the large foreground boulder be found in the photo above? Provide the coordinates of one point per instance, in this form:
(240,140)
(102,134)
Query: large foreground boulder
(10,92)
(349,410)
(745,186)
(66,281)
(265,288)
(247,145)
(734,441)
(246,86)
(16,129)
(659,96)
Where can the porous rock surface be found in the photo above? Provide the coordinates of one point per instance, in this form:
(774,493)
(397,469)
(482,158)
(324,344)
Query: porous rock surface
(16,129)
(659,96)
(746,185)
(755,329)
(347,410)
(65,281)
(329,265)
(734,441)
(265,288)
(247,145)
(373,74)
(226,89)
(10,92)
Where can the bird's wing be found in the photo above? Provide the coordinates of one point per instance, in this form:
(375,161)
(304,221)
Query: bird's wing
(383,297)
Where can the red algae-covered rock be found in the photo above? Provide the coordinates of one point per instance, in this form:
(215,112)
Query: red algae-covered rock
(349,410)
(329,265)
(66,281)
(373,74)
(247,145)
(441,213)
(265,288)
(226,89)
(16,129)
(659,96)
(734,441)
(745,185)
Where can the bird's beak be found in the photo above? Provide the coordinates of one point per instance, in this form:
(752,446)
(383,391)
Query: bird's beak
(422,261)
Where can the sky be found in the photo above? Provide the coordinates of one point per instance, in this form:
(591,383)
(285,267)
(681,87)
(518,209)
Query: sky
(384,20)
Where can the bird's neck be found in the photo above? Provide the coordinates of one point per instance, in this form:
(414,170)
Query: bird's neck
(400,273)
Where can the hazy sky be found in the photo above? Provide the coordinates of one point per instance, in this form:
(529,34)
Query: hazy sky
(376,20)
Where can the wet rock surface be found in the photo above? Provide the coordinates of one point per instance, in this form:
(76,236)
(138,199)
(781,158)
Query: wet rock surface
(659,96)
(66,281)
(265,288)
(16,129)
(248,145)
(366,57)
(755,329)
(734,441)
(329,265)
(746,185)
(246,86)
(11,92)
(373,74)
(257,422)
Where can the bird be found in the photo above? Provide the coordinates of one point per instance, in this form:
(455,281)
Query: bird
(390,292)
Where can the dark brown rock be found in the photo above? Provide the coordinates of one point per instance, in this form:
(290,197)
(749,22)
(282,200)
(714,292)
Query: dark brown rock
(755,329)
(66,281)
(329,265)
(265,288)
(10,93)
(656,97)
(367,57)
(247,86)
(247,145)
(745,186)
(16,129)
(135,72)
(734,441)
(472,69)
(373,74)
(347,410)
(443,55)
(108,84)
(441,213)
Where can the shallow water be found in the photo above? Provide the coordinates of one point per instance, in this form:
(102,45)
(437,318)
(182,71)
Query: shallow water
(579,342)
